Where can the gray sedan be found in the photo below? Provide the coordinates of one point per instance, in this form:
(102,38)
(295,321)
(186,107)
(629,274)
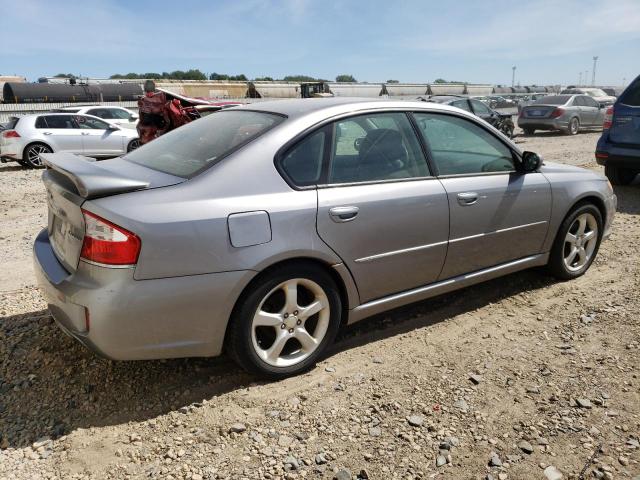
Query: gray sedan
(566,113)
(261,229)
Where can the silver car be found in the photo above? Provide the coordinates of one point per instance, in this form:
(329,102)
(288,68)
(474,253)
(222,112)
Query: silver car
(28,137)
(261,229)
(565,113)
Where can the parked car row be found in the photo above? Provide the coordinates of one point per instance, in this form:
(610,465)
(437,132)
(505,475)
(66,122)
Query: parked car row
(565,113)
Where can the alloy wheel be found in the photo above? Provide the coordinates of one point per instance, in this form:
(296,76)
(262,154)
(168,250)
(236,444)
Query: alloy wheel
(580,242)
(34,152)
(290,322)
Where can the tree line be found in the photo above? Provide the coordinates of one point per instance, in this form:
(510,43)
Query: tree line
(195,74)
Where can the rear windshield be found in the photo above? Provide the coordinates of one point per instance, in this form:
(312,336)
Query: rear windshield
(632,95)
(13,121)
(553,100)
(187,150)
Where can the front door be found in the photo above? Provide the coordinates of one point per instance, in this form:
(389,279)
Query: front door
(98,139)
(496,213)
(381,210)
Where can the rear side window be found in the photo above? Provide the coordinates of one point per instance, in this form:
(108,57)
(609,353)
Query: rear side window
(117,113)
(632,96)
(41,122)
(463,104)
(303,162)
(187,150)
(460,147)
(60,121)
(13,122)
(578,102)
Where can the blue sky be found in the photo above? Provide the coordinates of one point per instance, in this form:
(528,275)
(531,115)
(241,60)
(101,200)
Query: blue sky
(409,40)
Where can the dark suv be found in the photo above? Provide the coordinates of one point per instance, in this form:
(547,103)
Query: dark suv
(619,146)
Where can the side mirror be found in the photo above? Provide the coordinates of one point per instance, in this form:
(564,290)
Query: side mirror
(531,162)
(134,116)
(113,127)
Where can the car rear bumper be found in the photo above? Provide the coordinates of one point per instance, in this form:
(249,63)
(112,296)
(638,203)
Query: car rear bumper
(543,124)
(10,151)
(618,156)
(125,319)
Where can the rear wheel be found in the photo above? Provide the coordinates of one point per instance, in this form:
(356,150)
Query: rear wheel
(574,126)
(577,242)
(285,321)
(529,131)
(620,176)
(31,155)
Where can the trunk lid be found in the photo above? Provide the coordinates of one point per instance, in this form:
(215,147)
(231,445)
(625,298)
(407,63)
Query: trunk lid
(538,111)
(70,180)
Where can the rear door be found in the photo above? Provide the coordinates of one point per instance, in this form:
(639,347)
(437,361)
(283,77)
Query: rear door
(61,132)
(98,139)
(496,213)
(380,209)
(625,128)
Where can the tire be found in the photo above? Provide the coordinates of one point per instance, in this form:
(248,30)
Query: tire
(574,126)
(273,350)
(563,263)
(507,130)
(32,152)
(620,176)
(529,131)
(133,144)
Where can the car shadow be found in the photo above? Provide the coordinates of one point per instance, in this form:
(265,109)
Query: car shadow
(629,197)
(11,168)
(50,385)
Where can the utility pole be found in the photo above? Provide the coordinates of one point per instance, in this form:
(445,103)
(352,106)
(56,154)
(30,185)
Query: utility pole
(593,73)
(580,78)
(513,76)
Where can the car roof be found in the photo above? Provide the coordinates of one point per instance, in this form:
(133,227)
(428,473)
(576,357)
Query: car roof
(298,108)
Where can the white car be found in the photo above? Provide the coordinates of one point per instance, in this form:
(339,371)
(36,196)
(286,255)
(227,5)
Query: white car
(118,115)
(29,136)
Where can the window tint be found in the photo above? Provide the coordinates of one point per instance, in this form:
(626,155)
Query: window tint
(89,123)
(589,102)
(188,149)
(60,121)
(98,112)
(578,101)
(117,113)
(459,146)
(480,108)
(375,147)
(463,104)
(303,162)
(553,100)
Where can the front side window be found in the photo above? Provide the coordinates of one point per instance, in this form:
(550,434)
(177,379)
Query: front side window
(460,147)
(88,123)
(118,114)
(98,112)
(480,108)
(375,147)
(303,162)
(578,102)
(463,104)
(188,149)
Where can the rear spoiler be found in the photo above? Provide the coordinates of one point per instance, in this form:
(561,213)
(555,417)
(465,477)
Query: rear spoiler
(90,179)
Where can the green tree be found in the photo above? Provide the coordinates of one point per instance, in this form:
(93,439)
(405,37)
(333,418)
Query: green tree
(263,79)
(299,78)
(345,78)
(393,81)
(218,76)
(65,75)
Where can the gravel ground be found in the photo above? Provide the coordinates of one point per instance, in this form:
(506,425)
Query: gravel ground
(519,378)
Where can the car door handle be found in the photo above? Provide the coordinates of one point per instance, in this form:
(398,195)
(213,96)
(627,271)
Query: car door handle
(467,198)
(47,133)
(84,133)
(343,214)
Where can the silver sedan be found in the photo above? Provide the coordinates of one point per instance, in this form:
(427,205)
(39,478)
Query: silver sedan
(565,113)
(261,229)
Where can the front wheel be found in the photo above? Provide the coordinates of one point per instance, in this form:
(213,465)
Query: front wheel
(285,321)
(31,156)
(133,144)
(577,242)
(620,176)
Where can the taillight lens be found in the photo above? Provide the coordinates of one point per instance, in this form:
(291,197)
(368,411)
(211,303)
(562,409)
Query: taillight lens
(107,243)
(10,134)
(557,112)
(608,119)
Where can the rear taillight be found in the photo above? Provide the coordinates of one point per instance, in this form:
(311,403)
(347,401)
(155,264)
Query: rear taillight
(608,119)
(557,112)
(10,134)
(108,244)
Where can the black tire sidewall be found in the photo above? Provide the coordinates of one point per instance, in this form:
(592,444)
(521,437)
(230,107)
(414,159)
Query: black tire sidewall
(556,257)
(25,156)
(619,176)
(239,342)
(129,149)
